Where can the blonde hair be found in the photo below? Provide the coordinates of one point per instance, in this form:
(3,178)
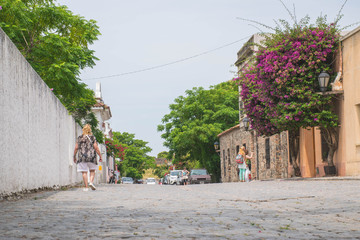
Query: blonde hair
(87,129)
(242,150)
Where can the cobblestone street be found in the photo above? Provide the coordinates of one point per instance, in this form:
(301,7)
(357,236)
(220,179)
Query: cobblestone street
(327,209)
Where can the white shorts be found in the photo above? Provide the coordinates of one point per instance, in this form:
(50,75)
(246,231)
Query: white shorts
(85,166)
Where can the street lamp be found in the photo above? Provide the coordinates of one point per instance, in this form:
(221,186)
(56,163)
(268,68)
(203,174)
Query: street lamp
(216,145)
(246,123)
(323,80)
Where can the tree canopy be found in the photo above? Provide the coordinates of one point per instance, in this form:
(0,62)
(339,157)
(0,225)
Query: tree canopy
(135,158)
(195,120)
(56,44)
(163,154)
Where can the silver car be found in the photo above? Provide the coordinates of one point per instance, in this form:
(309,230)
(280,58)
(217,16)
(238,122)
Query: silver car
(127,180)
(150,181)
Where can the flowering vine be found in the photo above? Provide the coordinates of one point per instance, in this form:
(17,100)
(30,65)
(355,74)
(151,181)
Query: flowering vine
(279,88)
(114,150)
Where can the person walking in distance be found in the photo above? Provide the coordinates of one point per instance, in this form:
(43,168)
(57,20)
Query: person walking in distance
(117,174)
(87,147)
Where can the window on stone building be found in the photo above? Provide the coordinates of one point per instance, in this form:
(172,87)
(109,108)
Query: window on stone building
(224,162)
(237,149)
(228,153)
(267,152)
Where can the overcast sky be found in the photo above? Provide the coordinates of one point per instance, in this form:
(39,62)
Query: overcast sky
(141,34)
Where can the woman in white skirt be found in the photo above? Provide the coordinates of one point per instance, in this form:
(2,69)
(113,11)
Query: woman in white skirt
(87,146)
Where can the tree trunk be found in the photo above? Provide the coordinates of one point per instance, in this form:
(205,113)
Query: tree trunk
(331,136)
(330,156)
(294,150)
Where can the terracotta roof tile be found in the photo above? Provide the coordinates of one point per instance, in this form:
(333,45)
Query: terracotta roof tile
(229,130)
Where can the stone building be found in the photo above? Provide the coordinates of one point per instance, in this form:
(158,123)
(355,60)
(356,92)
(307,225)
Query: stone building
(270,155)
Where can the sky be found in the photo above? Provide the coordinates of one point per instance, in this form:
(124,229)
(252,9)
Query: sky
(196,40)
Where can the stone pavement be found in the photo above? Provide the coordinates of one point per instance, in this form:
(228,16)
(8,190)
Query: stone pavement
(328,209)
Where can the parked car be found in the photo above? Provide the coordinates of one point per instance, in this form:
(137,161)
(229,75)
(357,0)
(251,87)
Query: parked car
(139,181)
(150,181)
(199,176)
(127,180)
(175,177)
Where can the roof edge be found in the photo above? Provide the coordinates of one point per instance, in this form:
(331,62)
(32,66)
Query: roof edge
(228,130)
(349,34)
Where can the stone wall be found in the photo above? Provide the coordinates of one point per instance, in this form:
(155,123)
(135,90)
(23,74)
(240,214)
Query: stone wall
(230,143)
(278,167)
(37,133)
(232,139)
(228,147)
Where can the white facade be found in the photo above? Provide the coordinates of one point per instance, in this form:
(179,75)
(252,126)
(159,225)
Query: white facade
(102,113)
(37,133)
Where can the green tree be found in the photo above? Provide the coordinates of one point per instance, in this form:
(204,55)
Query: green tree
(163,154)
(195,120)
(161,170)
(56,44)
(136,159)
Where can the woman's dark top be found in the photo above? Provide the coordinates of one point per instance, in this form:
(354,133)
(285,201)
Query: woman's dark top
(87,151)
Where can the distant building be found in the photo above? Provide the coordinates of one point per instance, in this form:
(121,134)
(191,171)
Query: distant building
(103,113)
(161,161)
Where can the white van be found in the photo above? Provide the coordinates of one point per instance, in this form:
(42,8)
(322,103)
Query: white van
(175,177)
(150,181)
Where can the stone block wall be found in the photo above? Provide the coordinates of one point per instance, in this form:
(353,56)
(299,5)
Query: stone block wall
(278,167)
(230,143)
(234,138)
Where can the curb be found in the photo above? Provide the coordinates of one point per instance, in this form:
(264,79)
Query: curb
(335,178)
(14,196)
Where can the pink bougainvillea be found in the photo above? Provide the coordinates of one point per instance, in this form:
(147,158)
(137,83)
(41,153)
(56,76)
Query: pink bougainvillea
(279,88)
(114,150)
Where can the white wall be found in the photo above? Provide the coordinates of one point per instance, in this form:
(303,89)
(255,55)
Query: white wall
(37,134)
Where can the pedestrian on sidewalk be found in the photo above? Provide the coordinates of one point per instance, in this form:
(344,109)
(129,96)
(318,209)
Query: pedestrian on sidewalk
(117,174)
(248,157)
(185,173)
(242,163)
(87,147)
